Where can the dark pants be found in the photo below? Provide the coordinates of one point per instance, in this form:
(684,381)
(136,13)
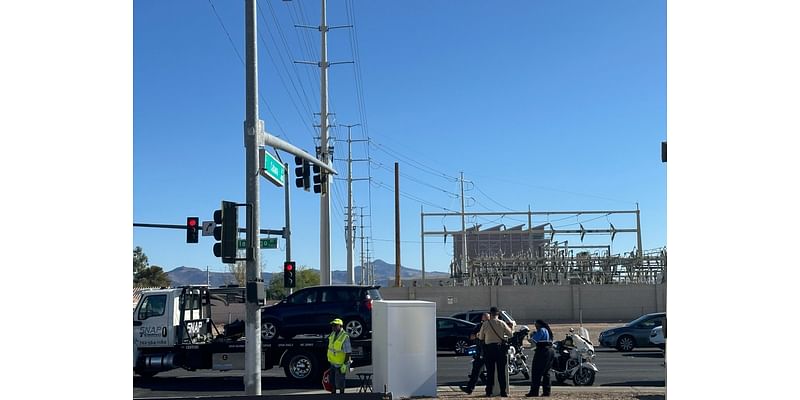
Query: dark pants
(477,364)
(495,359)
(540,369)
(337,379)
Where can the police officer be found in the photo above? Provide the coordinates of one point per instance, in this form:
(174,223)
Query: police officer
(338,355)
(493,332)
(477,358)
(542,359)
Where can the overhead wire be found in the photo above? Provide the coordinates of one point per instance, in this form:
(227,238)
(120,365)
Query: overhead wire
(282,132)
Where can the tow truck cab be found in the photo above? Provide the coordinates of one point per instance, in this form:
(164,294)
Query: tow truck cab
(165,319)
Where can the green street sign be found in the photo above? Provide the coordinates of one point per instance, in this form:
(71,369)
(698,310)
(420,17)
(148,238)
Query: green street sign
(271,168)
(241,244)
(269,243)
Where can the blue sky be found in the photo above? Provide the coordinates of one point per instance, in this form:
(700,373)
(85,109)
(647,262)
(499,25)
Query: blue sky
(556,105)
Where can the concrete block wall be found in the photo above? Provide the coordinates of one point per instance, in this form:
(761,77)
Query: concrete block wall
(554,303)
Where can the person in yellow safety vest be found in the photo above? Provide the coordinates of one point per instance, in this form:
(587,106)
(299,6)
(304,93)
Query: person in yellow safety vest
(338,355)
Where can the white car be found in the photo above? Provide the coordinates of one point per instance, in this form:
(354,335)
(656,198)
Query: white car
(657,337)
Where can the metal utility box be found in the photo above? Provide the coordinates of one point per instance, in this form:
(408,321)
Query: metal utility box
(404,348)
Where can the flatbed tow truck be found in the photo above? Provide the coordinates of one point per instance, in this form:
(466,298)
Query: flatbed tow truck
(172,328)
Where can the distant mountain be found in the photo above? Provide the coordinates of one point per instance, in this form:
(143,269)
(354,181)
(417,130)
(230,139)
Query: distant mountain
(195,276)
(383,272)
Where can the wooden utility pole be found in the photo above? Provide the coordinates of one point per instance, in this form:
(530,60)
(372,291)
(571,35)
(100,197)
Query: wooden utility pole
(396,225)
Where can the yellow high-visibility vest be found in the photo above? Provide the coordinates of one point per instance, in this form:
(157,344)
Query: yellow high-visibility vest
(335,344)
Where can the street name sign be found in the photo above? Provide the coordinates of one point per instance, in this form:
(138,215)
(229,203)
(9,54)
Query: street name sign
(269,243)
(271,168)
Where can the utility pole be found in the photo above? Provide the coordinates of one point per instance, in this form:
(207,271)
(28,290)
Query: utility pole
(325,198)
(324,150)
(349,235)
(361,225)
(397,224)
(287,234)
(252,128)
(463,230)
(370,272)
(422,241)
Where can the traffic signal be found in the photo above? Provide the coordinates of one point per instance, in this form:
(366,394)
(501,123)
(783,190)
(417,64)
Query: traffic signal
(319,180)
(302,172)
(226,232)
(289,276)
(192,229)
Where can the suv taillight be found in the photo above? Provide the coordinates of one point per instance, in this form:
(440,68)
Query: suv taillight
(368,304)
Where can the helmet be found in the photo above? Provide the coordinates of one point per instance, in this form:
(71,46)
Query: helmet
(337,321)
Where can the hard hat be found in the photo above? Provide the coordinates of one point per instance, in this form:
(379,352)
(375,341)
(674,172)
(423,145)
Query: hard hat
(337,321)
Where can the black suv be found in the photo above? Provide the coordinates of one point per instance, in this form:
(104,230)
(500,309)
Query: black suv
(311,310)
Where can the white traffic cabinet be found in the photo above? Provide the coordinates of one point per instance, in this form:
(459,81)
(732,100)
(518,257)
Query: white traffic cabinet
(404,347)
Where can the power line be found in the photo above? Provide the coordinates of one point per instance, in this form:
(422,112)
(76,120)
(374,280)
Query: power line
(382,166)
(261,97)
(416,164)
(411,197)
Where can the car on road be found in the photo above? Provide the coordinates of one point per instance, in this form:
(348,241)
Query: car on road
(657,337)
(474,316)
(452,334)
(310,311)
(633,334)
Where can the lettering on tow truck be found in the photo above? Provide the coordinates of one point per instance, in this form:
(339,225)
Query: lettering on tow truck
(193,327)
(153,331)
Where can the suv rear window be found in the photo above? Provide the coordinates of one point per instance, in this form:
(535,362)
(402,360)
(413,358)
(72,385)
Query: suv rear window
(374,294)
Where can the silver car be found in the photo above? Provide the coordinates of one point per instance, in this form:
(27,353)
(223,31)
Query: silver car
(633,334)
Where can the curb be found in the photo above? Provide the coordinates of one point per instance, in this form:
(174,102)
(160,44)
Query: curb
(578,389)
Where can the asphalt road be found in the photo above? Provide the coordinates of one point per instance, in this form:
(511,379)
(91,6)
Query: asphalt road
(636,368)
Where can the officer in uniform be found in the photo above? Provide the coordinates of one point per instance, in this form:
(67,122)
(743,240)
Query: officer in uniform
(477,358)
(542,359)
(338,355)
(493,332)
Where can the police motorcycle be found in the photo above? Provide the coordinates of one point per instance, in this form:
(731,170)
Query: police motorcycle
(575,358)
(517,359)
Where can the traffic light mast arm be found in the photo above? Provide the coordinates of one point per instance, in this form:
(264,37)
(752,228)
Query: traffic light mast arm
(268,140)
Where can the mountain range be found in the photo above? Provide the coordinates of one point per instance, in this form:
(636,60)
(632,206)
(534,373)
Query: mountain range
(383,272)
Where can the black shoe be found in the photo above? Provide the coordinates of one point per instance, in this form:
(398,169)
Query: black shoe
(503,394)
(531,394)
(465,389)
(547,394)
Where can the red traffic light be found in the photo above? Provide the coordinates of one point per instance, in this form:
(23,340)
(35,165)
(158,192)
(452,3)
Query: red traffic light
(192,229)
(288,267)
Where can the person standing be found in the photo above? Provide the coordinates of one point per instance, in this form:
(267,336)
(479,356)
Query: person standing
(477,358)
(493,333)
(543,358)
(338,355)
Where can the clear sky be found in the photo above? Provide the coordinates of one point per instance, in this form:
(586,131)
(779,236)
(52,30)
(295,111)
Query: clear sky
(558,105)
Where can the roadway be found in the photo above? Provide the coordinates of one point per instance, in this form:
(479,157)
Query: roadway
(637,368)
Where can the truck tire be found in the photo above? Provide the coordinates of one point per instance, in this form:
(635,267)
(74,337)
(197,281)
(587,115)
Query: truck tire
(302,366)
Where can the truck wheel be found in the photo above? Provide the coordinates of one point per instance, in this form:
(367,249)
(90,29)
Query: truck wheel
(302,367)
(355,328)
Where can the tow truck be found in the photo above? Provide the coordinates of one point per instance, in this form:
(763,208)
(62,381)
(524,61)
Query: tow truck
(172,328)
